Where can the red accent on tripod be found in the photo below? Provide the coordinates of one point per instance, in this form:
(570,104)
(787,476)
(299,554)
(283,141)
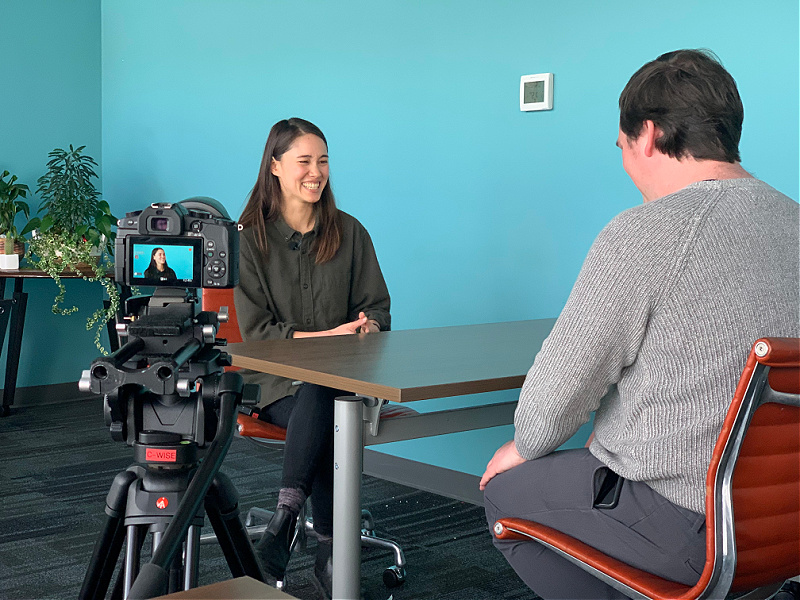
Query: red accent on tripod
(160,455)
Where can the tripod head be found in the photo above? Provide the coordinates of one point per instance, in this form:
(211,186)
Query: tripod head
(165,378)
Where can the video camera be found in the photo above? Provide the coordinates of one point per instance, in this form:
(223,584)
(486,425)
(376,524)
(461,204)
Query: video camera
(198,239)
(171,344)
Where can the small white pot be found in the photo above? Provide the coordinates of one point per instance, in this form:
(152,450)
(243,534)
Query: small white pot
(9,261)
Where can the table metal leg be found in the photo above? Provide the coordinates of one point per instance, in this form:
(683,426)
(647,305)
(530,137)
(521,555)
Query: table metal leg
(16,306)
(348,456)
(6,307)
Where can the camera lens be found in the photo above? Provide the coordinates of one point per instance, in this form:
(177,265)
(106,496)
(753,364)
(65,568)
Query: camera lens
(159,223)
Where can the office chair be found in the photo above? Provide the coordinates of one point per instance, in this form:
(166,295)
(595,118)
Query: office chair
(752,494)
(263,433)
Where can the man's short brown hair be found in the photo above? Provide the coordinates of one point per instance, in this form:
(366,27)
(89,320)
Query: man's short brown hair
(692,99)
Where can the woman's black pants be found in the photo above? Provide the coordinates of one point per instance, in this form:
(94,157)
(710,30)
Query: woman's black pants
(308,454)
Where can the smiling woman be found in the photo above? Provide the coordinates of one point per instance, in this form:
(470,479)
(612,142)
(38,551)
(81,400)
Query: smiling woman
(306,269)
(158,268)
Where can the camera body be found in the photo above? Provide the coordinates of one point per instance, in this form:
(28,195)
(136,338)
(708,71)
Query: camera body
(189,244)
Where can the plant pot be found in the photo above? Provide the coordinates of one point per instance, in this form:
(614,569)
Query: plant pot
(9,261)
(18,247)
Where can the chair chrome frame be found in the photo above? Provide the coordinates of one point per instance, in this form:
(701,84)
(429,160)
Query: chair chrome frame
(721,575)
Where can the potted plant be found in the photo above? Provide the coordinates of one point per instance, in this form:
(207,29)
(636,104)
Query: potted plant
(10,206)
(75,229)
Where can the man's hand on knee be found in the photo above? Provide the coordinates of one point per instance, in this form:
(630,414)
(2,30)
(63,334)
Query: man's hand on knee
(504,459)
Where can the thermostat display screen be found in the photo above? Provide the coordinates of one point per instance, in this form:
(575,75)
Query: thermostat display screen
(534,91)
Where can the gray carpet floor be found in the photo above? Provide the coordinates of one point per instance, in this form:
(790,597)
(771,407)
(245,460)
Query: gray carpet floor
(57,463)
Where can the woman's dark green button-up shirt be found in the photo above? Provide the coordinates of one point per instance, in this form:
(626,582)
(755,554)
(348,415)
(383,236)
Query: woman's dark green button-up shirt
(286,291)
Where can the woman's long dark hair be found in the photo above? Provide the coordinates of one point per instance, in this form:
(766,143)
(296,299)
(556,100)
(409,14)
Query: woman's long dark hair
(264,204)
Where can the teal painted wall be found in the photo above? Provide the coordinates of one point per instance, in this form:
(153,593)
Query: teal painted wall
(50,57)
(479,212)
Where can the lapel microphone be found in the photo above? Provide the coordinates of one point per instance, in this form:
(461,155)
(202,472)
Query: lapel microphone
(294,245)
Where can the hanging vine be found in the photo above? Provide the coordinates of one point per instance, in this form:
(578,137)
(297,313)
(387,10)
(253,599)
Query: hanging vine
(53,253)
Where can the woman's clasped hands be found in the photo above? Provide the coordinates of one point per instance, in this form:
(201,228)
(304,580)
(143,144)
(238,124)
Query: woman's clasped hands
(361,325)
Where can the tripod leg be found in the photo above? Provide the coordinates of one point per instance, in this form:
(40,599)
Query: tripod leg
(116,593)
(222,508)
(104,559)
(133,550)
(191,570)
(108,545)
(176,573)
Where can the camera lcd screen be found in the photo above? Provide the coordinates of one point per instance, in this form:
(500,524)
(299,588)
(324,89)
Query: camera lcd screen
(167,262)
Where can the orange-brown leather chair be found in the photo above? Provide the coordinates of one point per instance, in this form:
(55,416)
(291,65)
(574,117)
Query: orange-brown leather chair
(752,494)
(261,432)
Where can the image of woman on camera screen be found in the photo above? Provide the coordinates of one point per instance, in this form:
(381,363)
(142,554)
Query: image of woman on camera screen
(158,269)
(306,269)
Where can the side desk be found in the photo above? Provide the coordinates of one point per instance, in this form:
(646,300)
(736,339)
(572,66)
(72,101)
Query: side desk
(12,312)
(397,366)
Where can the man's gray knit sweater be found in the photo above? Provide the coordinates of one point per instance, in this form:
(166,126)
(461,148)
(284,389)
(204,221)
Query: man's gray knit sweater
(658,327)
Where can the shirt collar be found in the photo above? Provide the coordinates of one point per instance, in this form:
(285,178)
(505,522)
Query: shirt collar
(287,232)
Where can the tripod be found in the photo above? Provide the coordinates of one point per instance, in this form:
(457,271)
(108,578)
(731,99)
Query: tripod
(169,503)
(166,395)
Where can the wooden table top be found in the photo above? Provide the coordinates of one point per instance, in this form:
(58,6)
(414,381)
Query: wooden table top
(406,365)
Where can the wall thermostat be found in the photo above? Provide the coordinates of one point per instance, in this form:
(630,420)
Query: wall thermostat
(536,92)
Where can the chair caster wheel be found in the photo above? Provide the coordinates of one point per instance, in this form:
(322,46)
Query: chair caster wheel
(394,576)
(367,521)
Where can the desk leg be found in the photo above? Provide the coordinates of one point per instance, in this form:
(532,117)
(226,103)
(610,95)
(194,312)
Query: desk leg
(6,306)
(18,305)
(348,456)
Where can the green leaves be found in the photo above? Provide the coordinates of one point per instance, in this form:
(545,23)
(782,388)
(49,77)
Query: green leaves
(34,223)
(9,190)
(67,191)
(10,207)
(70,200)
(76,221)
(46,223)
(53,252)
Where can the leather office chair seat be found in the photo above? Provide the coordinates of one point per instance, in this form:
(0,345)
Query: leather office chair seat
(261,432)
(752,494)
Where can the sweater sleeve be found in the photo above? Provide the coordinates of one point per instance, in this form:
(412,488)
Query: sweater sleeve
(256,319)
(368,291)
(597,335)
